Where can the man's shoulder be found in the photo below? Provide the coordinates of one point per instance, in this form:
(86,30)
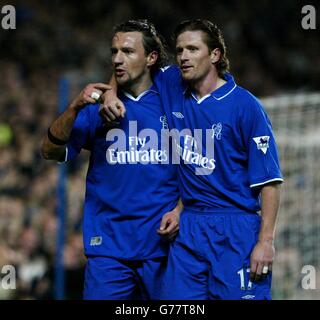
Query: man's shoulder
(89,116)
(89,110)
(167,73)
(245,93)
(245,98)
(91,107)
(170,68)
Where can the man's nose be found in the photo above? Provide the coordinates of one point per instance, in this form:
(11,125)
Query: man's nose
(118,58)
(184,55)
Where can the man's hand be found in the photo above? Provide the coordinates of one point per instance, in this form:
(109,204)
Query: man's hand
(111,107)
(169,226)
(261,260)
(87,95)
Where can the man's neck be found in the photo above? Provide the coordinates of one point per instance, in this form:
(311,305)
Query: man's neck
(138,87)
(208,84)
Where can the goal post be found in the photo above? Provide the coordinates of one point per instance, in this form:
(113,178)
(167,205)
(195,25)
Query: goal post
(296,123)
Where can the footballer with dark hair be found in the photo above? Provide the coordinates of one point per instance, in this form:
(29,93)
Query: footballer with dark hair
(129,193)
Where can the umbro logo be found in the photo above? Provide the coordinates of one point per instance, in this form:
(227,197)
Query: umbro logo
(248,297)
(178,115)
(163,69)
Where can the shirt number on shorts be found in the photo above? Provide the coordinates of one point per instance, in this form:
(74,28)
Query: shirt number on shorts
(241,274)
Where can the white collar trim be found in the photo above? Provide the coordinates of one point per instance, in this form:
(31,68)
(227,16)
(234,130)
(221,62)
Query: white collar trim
(226,93)
(203,98)
(131,97)
(210,94)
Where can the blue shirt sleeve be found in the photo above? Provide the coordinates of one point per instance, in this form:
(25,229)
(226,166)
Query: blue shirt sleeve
(166,77)
(168,82)
(80,134)
(263,159)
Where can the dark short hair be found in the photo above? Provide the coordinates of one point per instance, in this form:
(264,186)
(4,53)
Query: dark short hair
(152,41)
(214,39)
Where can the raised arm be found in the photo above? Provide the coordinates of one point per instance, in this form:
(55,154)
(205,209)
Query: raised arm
(53,146)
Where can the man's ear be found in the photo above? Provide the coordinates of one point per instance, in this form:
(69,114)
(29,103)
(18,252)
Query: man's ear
(152,58)
(215,55)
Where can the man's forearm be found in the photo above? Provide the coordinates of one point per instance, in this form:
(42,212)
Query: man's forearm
(270,196)
(113,83)
(179,207)
(61,129)
(62,126)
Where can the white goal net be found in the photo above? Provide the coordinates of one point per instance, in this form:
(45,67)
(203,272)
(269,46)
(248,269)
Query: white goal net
(296,123)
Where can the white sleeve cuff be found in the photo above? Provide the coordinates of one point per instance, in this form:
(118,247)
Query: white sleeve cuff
(265,182)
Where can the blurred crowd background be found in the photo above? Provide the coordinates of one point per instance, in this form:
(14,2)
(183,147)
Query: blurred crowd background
(269,51)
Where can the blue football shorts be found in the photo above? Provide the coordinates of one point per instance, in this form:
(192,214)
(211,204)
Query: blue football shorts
(210,258)
(108,278)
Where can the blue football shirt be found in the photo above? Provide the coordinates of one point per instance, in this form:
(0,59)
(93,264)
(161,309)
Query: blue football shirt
(226,145)
(129,185)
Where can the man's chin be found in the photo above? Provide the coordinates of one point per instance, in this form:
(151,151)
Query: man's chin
(122,82)
(187,77)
